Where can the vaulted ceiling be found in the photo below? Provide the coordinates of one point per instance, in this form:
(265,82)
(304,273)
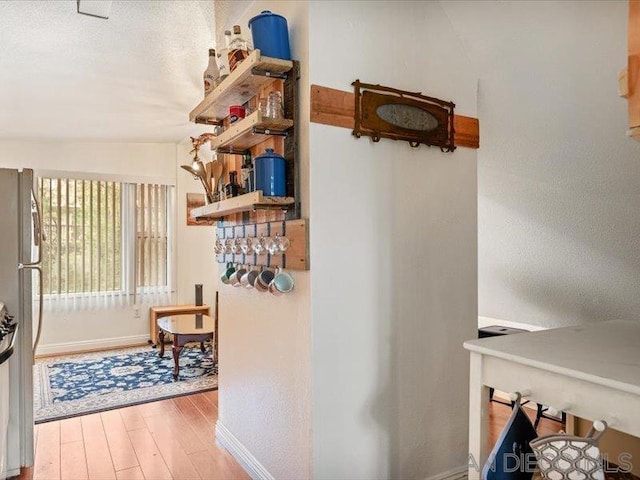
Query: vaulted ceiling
(133,77)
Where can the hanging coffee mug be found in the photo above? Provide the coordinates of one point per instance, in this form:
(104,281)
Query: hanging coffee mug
(234,279)
(263,280)
(248,280)
(224,278)
(282,283)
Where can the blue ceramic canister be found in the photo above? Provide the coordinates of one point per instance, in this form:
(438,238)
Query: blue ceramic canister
(270,35)
(270,174)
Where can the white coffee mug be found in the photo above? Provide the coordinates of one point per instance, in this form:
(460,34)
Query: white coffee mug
(234,279)
(263,280)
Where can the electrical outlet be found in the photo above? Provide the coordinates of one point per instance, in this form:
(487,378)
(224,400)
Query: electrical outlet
(136,312)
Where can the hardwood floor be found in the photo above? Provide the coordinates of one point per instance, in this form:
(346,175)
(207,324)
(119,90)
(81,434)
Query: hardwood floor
(170,439)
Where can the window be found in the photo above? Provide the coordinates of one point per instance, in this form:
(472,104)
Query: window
(83,226)
(105,238)
(151,236)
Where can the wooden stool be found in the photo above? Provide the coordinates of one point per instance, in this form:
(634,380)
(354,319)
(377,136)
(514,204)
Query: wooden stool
(167,310)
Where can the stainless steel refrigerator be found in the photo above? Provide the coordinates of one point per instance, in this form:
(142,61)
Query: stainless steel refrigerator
(20,239)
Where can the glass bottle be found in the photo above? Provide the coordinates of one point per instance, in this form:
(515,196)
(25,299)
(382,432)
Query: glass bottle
(238,49)
(223,57)
(232,189)
(211,75)
(246,174)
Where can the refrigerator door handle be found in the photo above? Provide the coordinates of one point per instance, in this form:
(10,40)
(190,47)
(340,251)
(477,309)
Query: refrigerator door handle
(37,227)
(40,303)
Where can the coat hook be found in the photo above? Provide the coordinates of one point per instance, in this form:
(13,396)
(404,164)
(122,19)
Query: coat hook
(515,396)
(600,425)
(556,411)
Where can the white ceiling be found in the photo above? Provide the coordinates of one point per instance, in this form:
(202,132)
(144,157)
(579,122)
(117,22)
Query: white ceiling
(133,77)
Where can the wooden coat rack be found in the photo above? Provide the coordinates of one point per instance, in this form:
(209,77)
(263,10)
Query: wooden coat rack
(337,108)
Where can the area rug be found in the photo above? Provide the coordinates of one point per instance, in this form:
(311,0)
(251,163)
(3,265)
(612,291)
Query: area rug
(72,385)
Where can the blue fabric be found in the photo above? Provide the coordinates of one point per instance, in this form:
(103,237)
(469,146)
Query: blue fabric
(510,458)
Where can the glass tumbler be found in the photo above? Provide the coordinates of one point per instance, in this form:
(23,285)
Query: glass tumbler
(218,247)
(283,244)
(263,106)
(237,246)
(228,246)
(274,105)
(247,246)
(260,246)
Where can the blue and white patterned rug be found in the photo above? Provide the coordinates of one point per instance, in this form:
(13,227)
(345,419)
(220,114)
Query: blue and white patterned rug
(71,385)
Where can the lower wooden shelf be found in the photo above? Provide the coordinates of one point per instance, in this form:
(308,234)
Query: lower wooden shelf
(242,203)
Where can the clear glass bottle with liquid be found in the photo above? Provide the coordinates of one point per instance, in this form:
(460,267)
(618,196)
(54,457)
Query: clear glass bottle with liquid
(238,49)
(223,57)
(246,174)
(211,75)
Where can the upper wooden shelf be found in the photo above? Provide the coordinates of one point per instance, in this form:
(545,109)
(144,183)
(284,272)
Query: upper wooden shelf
(242,203)
(240,86)
(249,131)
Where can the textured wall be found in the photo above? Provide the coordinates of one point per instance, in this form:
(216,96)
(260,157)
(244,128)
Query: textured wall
(195,262)
(265,357)
(559,183)
(393,245)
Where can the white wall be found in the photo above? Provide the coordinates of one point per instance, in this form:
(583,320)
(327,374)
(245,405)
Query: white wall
(393,246)
(195,260)
(559,183)
(265,373)
(87,329)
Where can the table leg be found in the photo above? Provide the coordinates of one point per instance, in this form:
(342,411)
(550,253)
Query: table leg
(177,348)
(153,327)
(478,418)
(161,341)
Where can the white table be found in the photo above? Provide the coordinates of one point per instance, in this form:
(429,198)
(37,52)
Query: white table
(590,371)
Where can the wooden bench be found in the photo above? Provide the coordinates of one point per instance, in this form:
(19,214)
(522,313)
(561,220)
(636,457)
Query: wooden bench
(166,311)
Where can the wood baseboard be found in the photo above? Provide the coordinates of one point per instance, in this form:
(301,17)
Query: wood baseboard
(91,345)
(228,441)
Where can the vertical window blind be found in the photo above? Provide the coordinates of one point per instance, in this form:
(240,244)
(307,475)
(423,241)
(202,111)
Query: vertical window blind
(107,243)
(151,236)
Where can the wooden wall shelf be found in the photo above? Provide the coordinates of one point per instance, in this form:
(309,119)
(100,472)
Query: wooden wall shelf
(240,86)
(242,203)
(240,136)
